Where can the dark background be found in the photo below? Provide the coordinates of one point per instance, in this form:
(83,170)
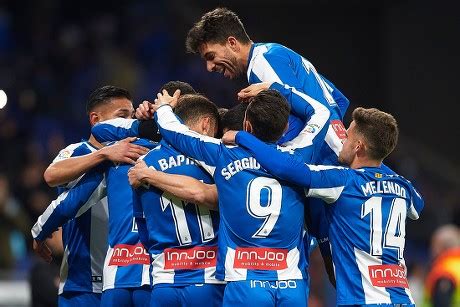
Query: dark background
(399,56)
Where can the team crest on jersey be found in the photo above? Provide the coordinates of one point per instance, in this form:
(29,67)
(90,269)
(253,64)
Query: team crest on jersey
(311,128)
(64,154)
(378,175)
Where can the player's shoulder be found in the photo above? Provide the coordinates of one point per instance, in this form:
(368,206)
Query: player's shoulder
(74,150)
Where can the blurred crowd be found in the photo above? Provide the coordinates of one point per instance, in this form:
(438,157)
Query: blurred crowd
(52,55)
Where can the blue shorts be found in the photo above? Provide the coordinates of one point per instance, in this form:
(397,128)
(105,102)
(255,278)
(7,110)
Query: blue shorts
(266,293)
(126,297)
(198,295)
(77,299)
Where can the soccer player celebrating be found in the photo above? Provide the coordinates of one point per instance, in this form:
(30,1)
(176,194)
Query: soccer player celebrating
(261,219)
(368,207)
(181,236)
(221,39)
(85,237)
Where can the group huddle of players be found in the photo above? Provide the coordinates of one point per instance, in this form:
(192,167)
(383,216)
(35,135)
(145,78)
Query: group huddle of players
(191,205)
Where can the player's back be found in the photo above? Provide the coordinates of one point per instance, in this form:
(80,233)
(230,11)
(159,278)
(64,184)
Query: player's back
(84,238)
(126,263)
(181,236)
(367,234)
(260,236)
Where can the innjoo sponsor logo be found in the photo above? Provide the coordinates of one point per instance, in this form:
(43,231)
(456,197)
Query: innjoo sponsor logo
(259,258)
(388,275)
(124,254)
(198,257)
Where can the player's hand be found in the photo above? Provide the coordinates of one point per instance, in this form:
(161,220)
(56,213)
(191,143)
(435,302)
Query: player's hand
(252,90)
(42,250)
(124,151)
(229,137)
(143,111)
(164,98)
(137,173)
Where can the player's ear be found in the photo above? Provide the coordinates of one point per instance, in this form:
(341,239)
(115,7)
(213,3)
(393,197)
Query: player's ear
(247,126)
(286,128)
(233,43)
(206,125)
(93,118)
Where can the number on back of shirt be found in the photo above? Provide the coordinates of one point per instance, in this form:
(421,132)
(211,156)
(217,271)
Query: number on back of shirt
(204,219)
(395,230)
(270,209)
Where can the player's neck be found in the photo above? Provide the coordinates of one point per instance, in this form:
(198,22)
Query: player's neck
(360,162)
(245,50)
(92,140)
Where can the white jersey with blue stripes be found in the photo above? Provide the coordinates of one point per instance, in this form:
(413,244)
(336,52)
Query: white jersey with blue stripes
(180,236)
(368,208)
(261,218)
(85,236)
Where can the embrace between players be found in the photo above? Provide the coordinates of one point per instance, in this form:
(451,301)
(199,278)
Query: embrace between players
(200,220)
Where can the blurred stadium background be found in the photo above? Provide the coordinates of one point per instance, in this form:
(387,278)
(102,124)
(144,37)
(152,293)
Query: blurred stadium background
(398,55)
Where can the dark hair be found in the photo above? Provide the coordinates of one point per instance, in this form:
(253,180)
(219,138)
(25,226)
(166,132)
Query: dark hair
(215,27)
(172,86)
(192,107)
(233,119)
(104,95)
(379,129)
(268,113)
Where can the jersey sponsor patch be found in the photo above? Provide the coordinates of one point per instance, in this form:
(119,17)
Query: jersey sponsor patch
(388,275)
(124,254)
(260,258)
(199,257)
(339,129)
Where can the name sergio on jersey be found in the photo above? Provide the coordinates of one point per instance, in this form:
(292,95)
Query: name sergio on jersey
(385,187)
(239,165)
(174,161)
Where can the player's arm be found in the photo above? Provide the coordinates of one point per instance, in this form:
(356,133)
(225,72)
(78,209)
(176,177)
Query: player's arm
(183,187)
(65,169)
(416,205)
(121,128)
(205,150)
(86,192)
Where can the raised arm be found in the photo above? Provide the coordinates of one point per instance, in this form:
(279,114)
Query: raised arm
(202,148)
(120,128)
(67,167)
(183,187)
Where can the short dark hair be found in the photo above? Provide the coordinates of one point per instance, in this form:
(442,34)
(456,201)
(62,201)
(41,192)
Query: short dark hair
(104,95)
(191,107)
(268,113)
(379,129)
(233,119)
(172,86)
(215,27)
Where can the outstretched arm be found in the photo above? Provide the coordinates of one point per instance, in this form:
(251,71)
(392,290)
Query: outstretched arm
(184,187)
(66,168)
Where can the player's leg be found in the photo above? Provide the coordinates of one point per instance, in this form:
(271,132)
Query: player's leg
(116,297)
(165,295)
(141,296)
(198,295)
(249,293)
(77,299)
(291,292)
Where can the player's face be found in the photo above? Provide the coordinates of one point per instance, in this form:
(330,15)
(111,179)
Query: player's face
(118,107)
(222,59)
(348,152)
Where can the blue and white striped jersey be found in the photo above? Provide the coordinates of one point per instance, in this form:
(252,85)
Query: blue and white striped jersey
(368,210)
(261,218)
(287,69)
(85,237)
(181,237)
(127,262)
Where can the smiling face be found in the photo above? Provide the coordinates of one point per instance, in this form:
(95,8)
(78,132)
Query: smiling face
(222,58)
